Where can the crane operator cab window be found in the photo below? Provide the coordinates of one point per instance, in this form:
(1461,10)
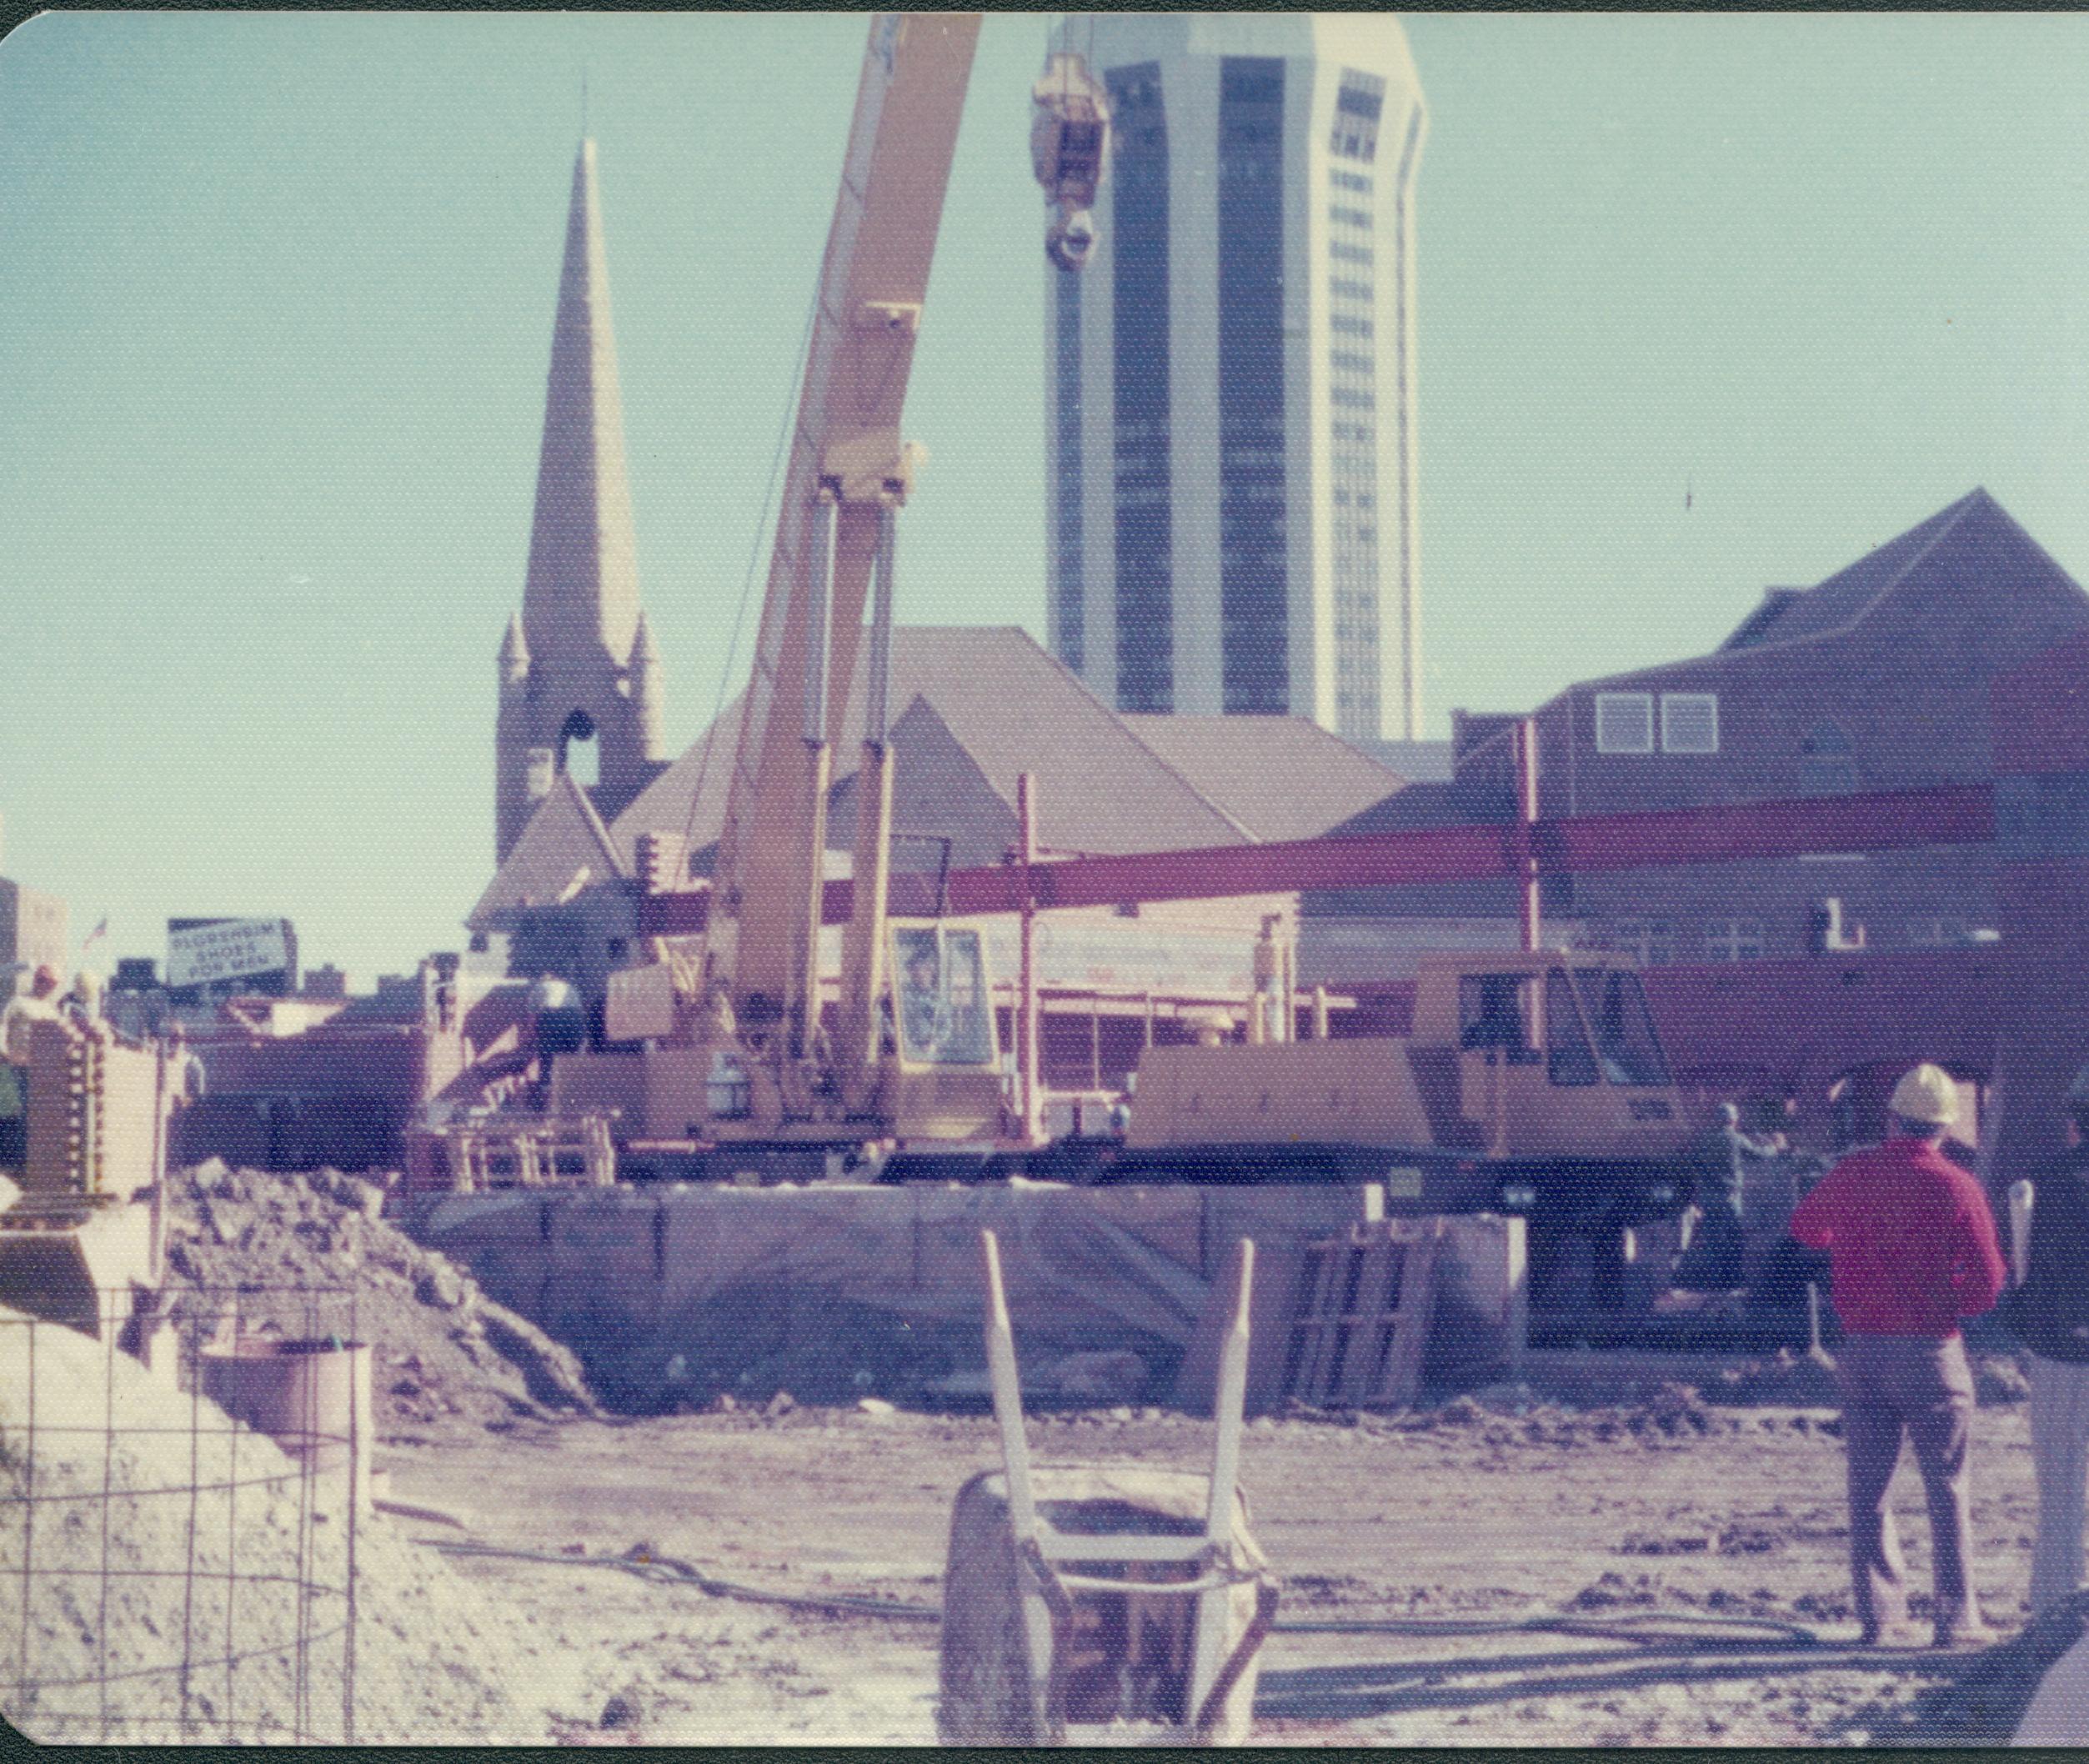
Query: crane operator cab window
(940,980)
(1626,1042)
(1568,1060)
(1495,1014)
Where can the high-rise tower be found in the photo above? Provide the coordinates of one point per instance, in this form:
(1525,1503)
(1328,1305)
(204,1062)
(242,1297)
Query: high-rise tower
(1229,385)
(579,664)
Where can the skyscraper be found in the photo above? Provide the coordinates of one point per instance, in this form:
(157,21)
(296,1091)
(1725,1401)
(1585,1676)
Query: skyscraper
(1229,385)
(579,664)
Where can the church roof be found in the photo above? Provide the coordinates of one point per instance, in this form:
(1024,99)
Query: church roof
(1278,777)
(978,706)
(563,848)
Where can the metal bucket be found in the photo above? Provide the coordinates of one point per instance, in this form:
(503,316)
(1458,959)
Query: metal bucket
(310,1396)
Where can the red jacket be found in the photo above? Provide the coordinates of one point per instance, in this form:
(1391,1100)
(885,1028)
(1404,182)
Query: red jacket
(1909,1238)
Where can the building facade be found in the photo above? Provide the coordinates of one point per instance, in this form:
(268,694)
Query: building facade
(579,665)
(33,934)
(1229,385)
(1877,678)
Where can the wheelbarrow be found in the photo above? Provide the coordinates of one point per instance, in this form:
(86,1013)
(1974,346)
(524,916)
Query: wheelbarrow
(1103,1604)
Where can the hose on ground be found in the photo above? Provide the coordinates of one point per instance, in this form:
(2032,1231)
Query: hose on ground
(1690,1631)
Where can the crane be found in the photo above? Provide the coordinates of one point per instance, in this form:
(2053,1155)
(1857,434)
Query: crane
(739,1050)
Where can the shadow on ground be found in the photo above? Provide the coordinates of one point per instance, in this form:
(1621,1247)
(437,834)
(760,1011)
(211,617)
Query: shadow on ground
(1397,1687)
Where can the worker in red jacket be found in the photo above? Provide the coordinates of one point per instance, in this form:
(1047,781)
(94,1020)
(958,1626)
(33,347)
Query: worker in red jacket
(1913,1247)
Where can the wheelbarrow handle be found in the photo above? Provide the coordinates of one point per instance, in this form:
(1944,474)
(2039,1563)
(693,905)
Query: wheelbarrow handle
(1251,1638)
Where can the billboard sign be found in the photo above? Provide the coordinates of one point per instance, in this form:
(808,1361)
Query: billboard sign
(226,949)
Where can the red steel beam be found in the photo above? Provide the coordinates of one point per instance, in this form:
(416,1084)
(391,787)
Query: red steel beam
(1878,820)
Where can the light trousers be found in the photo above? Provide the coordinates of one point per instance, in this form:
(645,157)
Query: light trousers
(2060,1460)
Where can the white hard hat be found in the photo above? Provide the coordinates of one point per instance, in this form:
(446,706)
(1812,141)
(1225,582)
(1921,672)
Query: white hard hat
(1926,1096)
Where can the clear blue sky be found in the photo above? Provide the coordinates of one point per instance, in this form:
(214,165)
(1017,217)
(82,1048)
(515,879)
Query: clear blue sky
(276,296)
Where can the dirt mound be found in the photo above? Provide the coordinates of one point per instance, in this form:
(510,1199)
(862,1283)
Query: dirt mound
(119,1591)
(441,1347)
(1514,1415)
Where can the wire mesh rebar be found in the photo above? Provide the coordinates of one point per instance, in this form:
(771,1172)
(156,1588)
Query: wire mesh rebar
(180,1493)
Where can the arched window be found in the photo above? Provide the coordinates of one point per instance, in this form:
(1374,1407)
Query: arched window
(1828,764)
(578,757)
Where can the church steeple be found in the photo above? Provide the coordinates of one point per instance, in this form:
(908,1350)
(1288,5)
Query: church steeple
(570,667)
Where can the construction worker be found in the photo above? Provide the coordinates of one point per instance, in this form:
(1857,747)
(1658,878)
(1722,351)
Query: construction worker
(1913,1250)
(82,1007)
(1713,1261)
(2049,1312)
(185,1071)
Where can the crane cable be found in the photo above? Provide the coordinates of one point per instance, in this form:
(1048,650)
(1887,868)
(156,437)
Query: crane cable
(747,585)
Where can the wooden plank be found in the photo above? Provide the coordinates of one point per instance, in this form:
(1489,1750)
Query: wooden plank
(1401,1376)
(1320,1326)
(1381,1262)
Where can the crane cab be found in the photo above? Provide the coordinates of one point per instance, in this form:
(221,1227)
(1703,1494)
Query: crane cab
(941,1070)
(1529,1078)
(936,1073)
(1556,1054)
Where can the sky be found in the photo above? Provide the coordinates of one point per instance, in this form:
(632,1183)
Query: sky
(276,302)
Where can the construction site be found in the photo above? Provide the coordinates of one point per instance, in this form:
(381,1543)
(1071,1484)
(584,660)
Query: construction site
(962,1210)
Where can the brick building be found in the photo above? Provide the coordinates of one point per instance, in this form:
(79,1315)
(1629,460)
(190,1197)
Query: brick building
(1877,678)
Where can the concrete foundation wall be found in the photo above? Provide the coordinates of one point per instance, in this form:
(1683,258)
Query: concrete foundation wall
(677,1292)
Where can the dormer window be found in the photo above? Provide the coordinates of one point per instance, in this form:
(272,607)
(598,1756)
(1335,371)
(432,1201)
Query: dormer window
(1690,722)
(1625,723)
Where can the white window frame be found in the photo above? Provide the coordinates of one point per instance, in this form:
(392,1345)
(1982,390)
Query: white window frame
(1707,703)
(1610,705)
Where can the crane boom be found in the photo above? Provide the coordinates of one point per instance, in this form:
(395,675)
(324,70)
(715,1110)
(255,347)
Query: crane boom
(847,465)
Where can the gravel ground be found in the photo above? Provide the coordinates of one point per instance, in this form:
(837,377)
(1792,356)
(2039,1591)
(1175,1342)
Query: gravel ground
(1497,1507)
(1708,1507)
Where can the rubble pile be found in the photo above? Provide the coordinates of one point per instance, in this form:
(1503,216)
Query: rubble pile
(440,1347)
(125,1575)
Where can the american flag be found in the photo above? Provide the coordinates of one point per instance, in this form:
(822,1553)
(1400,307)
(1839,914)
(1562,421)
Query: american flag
(100,931)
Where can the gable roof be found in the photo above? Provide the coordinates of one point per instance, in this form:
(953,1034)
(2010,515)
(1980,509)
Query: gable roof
(938,790)
(1009,708)
(564,847)
(1971,532)
(1278,777)
(1849,593)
